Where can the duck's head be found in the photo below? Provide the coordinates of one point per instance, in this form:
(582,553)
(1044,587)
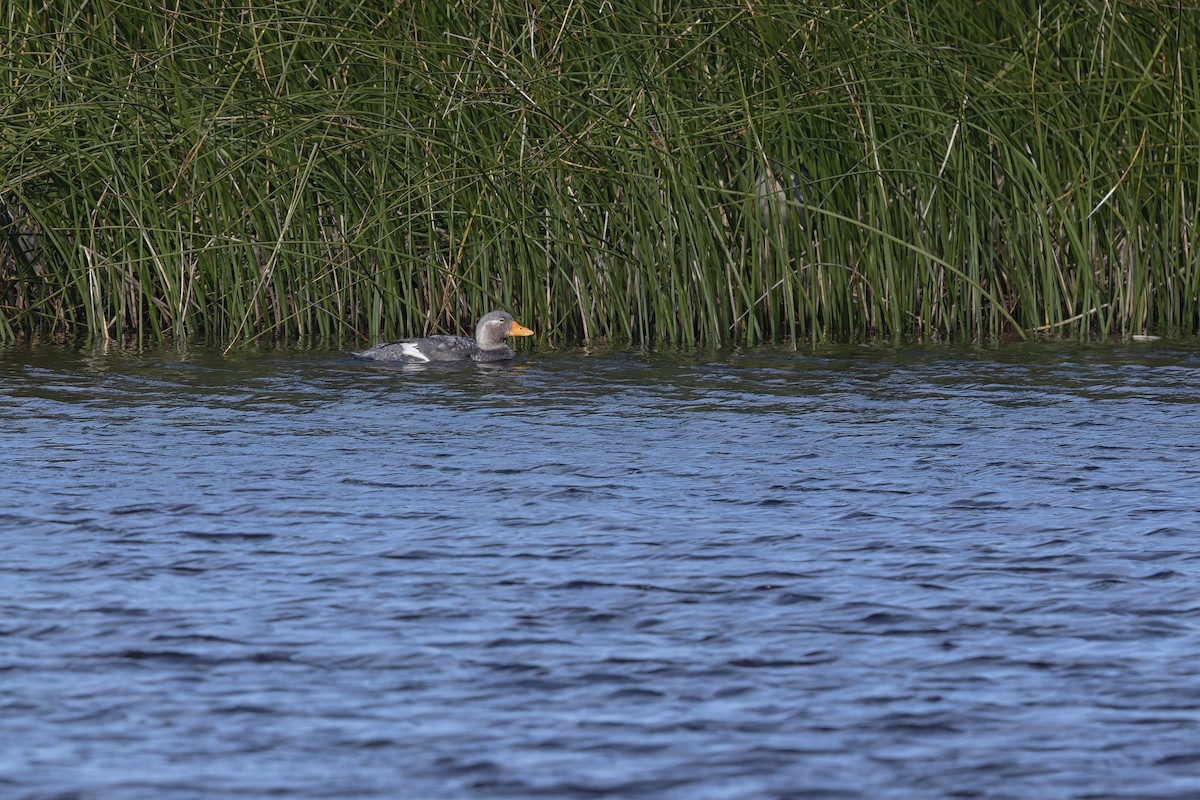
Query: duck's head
(495,327)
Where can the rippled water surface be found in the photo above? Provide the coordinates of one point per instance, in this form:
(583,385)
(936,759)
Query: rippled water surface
(856,573)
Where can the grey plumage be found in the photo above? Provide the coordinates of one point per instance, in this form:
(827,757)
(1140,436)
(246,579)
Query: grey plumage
(488,344)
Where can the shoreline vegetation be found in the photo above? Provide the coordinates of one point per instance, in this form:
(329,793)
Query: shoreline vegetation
(698,174)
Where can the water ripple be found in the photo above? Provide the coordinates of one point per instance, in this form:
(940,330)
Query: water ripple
(856,573)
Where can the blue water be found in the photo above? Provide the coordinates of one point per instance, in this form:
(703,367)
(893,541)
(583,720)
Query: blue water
(857,573)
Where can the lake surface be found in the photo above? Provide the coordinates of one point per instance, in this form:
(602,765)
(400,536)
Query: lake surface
(858,572)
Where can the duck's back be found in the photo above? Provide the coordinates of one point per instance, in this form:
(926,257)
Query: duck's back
(419,351)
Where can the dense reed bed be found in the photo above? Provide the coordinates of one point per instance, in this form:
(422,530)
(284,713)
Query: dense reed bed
(691,172)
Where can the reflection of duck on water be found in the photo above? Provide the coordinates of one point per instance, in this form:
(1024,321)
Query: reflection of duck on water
(488,344)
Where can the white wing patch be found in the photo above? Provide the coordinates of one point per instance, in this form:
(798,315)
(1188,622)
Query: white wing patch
(413,350)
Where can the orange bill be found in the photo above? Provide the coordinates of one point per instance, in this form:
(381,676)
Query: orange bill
(518,329)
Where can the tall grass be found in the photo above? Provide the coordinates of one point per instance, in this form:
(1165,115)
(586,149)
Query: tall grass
(691,172)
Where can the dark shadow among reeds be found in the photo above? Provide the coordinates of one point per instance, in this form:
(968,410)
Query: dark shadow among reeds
(694,173)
